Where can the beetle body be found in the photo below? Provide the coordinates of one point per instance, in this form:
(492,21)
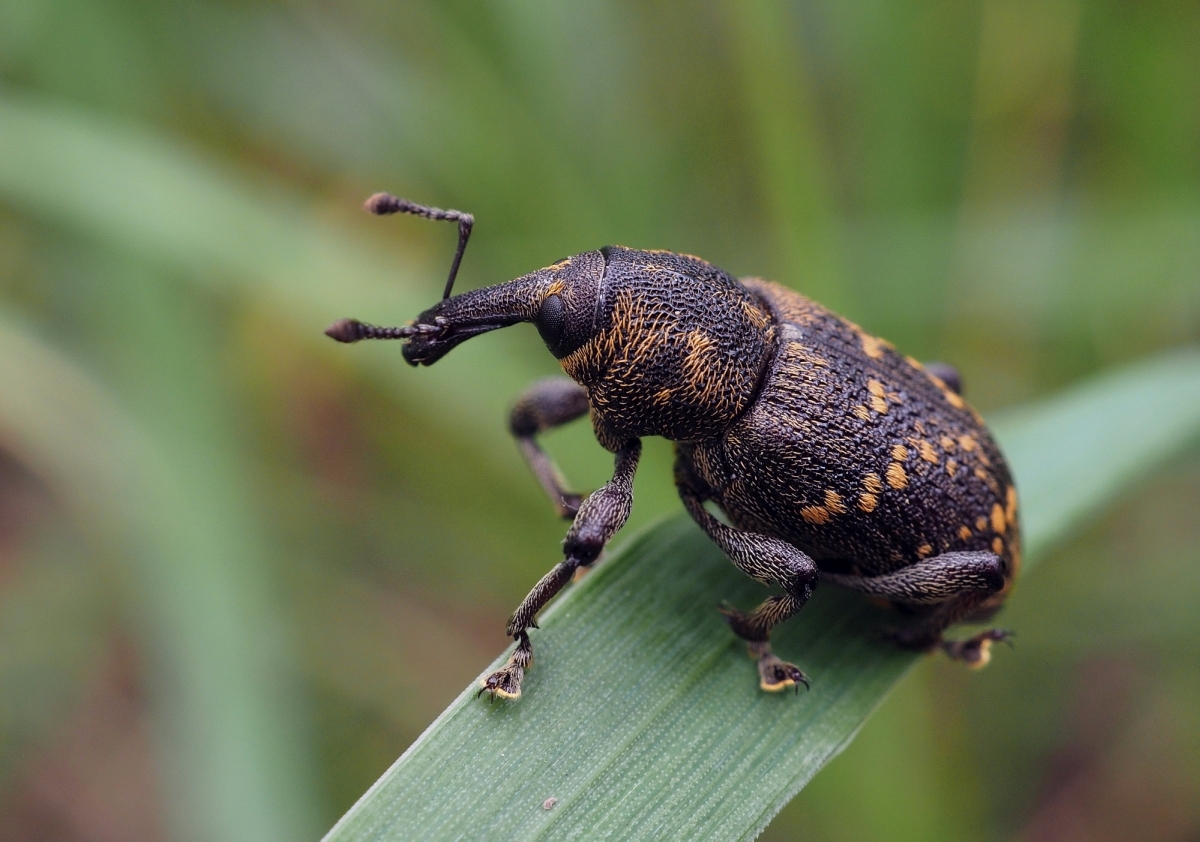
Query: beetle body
(832,456)
(857,455)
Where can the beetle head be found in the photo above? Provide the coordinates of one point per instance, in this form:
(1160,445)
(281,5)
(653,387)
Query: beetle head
(665,344)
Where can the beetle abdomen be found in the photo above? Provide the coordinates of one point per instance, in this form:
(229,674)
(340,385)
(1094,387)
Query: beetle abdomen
(858,455)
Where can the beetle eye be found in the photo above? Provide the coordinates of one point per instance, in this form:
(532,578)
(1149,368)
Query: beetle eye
(551,321)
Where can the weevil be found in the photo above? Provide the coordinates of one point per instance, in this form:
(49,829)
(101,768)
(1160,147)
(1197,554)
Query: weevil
(832,456)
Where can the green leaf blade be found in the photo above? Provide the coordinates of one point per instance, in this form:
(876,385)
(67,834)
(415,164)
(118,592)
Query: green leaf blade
(1072,453)
(674,665)
(642,717)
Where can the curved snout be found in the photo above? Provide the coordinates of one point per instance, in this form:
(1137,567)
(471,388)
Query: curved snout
(453,321)
(440,336)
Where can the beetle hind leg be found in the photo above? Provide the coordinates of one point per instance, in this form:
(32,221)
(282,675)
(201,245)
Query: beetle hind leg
(975,651)
(950,588)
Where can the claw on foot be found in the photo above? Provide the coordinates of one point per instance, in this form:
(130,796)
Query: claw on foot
(976,651)
(505,683)
(775,674)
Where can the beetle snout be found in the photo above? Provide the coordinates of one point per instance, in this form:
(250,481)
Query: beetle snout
(453,321)
(437,336)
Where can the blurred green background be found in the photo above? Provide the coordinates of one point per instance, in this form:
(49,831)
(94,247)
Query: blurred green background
(241,568)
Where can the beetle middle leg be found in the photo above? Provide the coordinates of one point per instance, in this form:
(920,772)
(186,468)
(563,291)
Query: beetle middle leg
(543,406)
(600,516)
(949,588)
(767,560)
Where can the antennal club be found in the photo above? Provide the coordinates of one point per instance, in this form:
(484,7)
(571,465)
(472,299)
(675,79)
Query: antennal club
(352,330)
(384,204)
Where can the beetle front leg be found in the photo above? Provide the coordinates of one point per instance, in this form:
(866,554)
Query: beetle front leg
(600,517)
(543,406)
(770,561)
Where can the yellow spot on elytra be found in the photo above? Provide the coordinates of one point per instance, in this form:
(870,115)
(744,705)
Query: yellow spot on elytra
(878,399)
(557,286)
(815,514)
(873,346)
(964,532)
(899,452)
(862,412)
(980,523)
(927,451)
(998,546)
(967,443)
(867,502)
(834,505)
(998,519)
(924,550)
(663,396)
(833,502)
(872,483)
(951,467)
(948,444)
(896,477)
(982,474)
(1010,508)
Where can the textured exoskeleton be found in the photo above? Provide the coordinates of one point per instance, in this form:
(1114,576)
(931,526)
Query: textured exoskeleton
(832,456)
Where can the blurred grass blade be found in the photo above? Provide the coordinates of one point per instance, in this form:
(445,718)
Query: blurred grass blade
(642,717)
(780,117)
(144,195)
(1071,452)
(218,684)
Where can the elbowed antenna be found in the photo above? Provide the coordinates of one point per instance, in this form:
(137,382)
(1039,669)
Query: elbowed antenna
(383,204)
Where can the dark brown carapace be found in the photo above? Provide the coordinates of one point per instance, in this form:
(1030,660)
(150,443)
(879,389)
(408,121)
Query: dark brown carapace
(832,456)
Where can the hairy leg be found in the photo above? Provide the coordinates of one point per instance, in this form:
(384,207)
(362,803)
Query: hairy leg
(600,516)
(770,561)
(952,587)
(544,405)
